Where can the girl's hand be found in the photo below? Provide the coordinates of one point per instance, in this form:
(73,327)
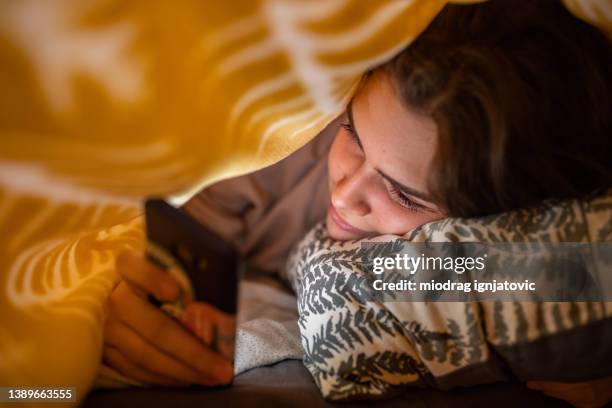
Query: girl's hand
(590,394)
(144,343)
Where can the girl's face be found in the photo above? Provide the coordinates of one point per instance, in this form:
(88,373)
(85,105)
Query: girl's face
(378,166)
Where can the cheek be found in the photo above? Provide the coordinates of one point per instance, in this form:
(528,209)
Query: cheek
(339,158)
(333,159)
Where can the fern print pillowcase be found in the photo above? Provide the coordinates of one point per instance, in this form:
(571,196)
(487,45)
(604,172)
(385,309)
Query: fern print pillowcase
(357,346)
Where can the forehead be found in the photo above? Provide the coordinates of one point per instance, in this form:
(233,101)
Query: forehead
(399,142)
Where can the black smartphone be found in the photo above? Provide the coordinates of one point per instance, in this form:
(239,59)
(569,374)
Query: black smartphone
(206,267)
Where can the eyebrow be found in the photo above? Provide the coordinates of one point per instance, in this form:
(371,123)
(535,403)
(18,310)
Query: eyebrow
(405,189)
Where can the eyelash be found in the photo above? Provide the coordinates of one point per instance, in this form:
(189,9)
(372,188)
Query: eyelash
(396,194)
(404,201)
(351,132)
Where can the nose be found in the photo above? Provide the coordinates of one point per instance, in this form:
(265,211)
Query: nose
(349,193)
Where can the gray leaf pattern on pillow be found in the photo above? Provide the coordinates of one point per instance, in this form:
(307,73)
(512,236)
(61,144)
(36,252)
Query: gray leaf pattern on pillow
(357,346)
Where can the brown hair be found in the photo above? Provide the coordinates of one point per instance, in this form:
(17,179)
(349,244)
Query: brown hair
(521,95)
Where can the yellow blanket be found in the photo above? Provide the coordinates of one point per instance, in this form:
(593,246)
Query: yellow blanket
(104,102)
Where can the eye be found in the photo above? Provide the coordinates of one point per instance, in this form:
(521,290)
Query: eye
(351,131)
(402,199)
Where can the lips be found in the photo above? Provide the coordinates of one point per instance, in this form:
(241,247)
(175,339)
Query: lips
(342,223)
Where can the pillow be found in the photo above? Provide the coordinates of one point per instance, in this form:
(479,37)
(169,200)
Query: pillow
(359,346)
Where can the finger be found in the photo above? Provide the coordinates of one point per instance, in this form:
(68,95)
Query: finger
(226,334)
(114,358)
(167,334)
(205,326)
(146,277)
(144,355)
(200,324)
(212,325)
